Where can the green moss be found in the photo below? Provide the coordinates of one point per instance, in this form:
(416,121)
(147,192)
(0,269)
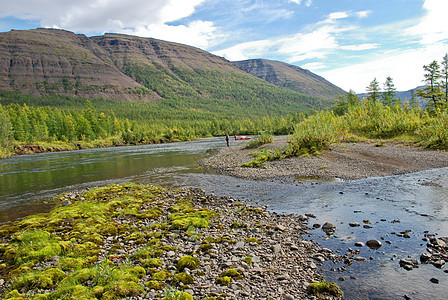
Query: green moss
(225,280)
(189,262)
(151,262)
(38,279)
(205,247)
(231,273)
(237,225)
(253,240)
(325,288)
(127,289)
(14,294)
(184,223)
(85,274)
(138,271)
(34,244)
(156,285)
(162,275)
(71,263)
(182,277)
(98,291)
(248,260)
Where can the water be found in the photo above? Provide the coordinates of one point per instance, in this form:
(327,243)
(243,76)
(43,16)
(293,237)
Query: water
(418,200)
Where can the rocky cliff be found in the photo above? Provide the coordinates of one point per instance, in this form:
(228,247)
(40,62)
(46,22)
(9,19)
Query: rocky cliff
(122,67)
(291,77)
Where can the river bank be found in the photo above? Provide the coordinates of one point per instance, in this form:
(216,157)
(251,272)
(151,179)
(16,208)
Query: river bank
(146,242)
(344,160)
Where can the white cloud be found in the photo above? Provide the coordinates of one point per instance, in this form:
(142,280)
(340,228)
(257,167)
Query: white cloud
(137,17)
(298,2)
(197,33)
(363,14)
(338,15)
(245,50)
(405,67)
(433,26)
(360,47)
(314,66)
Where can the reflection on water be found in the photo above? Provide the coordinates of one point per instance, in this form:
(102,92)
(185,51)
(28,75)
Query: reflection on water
(418,201)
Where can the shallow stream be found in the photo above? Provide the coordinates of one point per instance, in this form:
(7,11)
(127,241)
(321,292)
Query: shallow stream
(413,203)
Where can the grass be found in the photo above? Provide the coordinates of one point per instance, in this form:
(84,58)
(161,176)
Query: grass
(264,138)
(365,120)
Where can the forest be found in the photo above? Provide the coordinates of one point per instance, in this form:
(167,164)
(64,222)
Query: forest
(64,123)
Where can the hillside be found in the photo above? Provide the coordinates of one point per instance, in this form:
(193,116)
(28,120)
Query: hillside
(291,77)
(114,66)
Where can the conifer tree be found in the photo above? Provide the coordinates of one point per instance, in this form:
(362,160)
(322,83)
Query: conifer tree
(388,95)
(444,75)
(373,90)
(431,91)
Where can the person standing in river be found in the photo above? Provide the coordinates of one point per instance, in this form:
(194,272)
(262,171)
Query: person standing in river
(227,140)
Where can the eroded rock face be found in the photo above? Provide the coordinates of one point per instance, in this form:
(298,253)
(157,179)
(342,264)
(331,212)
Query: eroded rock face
(45,61)
(48,61)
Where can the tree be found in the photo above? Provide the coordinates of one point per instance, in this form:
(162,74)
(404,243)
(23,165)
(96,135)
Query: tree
(344,102)
(431,91)
(444,75)
(388,95)
(5,127)
(373,90)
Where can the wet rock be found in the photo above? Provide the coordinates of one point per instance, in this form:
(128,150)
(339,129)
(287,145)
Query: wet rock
(434,280)
(374,244)
(303,218)
(425,257)
(359,244)
(316,225)
(439,263)
(354,224)
(360,258)
(408,263)
(329,228)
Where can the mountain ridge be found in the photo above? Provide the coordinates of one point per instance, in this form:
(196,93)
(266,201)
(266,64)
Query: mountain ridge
(123,67)
(290,76)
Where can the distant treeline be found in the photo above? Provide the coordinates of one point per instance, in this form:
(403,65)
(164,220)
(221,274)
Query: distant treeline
(96,123)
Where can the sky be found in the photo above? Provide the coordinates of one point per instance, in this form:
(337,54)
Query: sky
(348,42)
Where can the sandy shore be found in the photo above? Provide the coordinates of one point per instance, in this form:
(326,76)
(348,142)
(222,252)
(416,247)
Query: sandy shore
(346,161)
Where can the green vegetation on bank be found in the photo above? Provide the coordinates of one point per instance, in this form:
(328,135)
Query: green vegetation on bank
(57,122)
(379,116)
(365,119)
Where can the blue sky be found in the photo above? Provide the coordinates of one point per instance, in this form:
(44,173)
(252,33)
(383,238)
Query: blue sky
(348,42)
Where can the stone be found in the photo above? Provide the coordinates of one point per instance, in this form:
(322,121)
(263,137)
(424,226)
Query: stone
(425,257)
(277,249)
(359,244)
(280,228)
(439,263)
(329,228)
(354,224)
(408,263)
(374,244)
(434,280)
(303,218)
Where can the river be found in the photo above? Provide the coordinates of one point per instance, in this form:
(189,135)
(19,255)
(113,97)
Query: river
(417,200)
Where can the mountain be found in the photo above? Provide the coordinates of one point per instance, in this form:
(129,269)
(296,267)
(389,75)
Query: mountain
(403,95)
(115,66)
(291,77)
